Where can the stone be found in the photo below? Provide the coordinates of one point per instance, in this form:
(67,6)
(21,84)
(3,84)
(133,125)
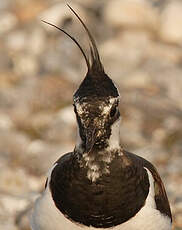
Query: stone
(67,115)
(23,220)
(124,53)
(9,207)
(5,122)
(13,181)
(36,41)
(58,14)
(137,80)
(26,65)
(13,204)
(8,22)
(170,25)
(5,4)
(16,40)
(12,149)
(38,150)
(128,13)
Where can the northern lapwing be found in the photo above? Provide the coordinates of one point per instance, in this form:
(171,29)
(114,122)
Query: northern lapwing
(99,185)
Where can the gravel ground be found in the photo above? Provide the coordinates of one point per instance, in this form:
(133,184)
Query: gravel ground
(140,42)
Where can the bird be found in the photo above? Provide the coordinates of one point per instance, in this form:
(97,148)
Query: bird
(100,185)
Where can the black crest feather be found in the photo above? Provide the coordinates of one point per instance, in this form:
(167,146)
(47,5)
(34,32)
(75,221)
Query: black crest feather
(95,58)
(95,64)
(73,39)
(96,83)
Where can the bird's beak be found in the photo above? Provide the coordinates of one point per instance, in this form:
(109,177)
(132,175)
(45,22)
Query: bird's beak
(91,135)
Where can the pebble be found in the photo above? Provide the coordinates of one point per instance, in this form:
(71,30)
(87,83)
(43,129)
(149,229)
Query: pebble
(13,204)
(67,116)
(16,41)
(5,4)
(9,207)
(123,53)
(170,26)
(137,80)
(58,14)
(5,122)
(8,22)
(127,13)
(35,42)
(25,65)
(13,181)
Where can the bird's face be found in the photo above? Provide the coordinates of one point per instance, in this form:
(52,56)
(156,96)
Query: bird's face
(96,118)
(96,106)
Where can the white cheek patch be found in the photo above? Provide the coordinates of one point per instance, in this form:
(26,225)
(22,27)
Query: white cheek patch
(79,107)
(105,109)
(114,139)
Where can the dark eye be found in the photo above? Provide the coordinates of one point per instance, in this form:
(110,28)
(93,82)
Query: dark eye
(113,111)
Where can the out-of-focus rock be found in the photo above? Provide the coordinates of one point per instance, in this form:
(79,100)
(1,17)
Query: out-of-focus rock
(13,181)
(16,41)
(8,225)
(65,120)
(169,53)
(5,4)
(13,204)
(9,207)
(8,21)
(59,14)
(34,125)
(5,122)
(137,80)
(35,43)
(175,165)
(25,65)
(170,26)
(127,13)
(52,92)
(13,146)
(67,115)
(27,11)
(38,150)
(23,219)
(133,137)
(8,80)
(124,53)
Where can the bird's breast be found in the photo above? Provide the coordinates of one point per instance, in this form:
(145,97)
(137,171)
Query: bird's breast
(107,202)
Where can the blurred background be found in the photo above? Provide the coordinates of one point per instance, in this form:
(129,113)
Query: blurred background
(140,42)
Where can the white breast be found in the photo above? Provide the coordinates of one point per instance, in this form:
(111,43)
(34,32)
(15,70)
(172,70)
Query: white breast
(47,217)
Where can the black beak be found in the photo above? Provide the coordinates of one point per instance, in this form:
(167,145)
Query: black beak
(91,135)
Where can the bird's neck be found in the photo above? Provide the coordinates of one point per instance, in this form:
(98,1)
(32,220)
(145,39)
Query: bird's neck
(97,162)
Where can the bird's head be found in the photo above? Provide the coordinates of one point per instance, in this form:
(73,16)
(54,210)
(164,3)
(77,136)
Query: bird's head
(95,102)
(96,106)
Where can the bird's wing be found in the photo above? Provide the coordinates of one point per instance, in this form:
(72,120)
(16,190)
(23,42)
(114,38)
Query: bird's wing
(161,200)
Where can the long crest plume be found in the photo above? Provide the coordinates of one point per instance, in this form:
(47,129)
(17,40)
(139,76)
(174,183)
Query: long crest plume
(93,47)
(95,58)
(73,39)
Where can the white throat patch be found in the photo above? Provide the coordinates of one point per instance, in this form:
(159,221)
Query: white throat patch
(114,140)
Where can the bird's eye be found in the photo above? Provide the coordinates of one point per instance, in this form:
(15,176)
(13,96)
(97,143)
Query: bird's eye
(113,111)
